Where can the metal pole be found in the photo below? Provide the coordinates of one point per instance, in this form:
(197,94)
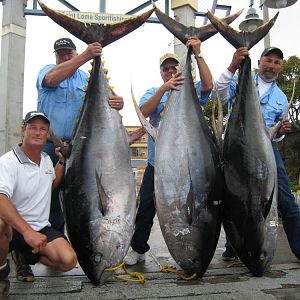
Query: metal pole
(266,19)
(12,73)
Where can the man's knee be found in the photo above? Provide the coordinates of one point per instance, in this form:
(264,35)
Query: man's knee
(69,260)
(61,255)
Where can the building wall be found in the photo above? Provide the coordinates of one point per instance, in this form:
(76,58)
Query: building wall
(139,156)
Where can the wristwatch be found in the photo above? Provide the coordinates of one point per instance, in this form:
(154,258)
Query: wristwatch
(199,55)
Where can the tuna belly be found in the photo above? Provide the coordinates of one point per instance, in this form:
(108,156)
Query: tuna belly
(188,247)
(252,236)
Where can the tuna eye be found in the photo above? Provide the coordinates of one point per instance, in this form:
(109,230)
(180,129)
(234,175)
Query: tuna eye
(97,257)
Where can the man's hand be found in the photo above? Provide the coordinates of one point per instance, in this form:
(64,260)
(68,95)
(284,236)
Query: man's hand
(195,45)
(36,240)
(93,50)
(174,82)
(59,154)
(238,56)
(116,102)
(285,128)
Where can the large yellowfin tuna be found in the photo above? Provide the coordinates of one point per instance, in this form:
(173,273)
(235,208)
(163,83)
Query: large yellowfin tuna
(188,176)
(99,200)
(250,205)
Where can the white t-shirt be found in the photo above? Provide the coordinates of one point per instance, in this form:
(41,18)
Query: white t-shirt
(28,186)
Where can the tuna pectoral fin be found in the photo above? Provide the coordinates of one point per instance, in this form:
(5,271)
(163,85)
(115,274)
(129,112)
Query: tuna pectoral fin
(190,201)
(102,33)
(243,38)
(268,204)
(189,212)
(183,33)
(102,194)
(145,123)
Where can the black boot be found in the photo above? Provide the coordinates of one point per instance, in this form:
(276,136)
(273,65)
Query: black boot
(4,282)
(23,269)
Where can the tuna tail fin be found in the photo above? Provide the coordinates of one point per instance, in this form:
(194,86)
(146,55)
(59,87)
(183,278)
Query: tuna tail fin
(183,33)
(102,33)
(145,123)
(241,38)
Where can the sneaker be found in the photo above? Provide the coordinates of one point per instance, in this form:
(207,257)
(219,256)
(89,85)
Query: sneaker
(133,257)
(229,254)
(23,269)
(4,282)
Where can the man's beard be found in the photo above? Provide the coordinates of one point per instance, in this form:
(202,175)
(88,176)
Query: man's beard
(268,80)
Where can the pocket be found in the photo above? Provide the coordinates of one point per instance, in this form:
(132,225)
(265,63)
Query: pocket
(274,111)
(61,94)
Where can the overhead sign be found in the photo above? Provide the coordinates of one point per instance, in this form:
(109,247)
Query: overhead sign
(100,18)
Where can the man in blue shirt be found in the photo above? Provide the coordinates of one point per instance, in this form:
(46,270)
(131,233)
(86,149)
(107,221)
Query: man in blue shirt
(60,95)
(273,103)
(152,104)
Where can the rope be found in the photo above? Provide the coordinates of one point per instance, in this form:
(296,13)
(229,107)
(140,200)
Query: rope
(139,276)
(168,269)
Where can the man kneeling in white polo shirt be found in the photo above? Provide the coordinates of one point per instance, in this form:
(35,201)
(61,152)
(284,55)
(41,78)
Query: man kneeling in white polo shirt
(27,177)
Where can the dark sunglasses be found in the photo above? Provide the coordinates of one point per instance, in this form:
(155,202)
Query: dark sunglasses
(167,69)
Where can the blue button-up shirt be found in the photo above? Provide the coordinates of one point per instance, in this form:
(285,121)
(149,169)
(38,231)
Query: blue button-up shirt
(273,102)
(156,113)
(62,103)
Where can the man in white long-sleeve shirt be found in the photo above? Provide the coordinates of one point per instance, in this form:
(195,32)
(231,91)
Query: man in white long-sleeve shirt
(273,103)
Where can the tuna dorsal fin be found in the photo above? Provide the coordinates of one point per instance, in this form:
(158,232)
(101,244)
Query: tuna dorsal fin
(102,195)
(102,33)
(183,33)
(145,123)
(241,38)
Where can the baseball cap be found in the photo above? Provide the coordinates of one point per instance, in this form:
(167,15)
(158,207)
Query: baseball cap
(168,56)
(270,50)
(64,43)
(35,114)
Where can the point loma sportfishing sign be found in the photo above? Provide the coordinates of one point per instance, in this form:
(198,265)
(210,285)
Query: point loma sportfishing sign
(100,18)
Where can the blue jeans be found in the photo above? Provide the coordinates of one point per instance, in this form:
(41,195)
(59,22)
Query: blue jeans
(287,206)
(56,217)
(145,214)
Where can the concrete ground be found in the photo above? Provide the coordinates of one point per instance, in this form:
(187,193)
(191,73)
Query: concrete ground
(223,280)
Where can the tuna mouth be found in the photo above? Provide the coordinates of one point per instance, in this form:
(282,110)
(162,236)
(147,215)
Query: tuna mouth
(104,276)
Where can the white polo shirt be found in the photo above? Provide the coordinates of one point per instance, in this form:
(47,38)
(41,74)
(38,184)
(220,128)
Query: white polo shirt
(28,185)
